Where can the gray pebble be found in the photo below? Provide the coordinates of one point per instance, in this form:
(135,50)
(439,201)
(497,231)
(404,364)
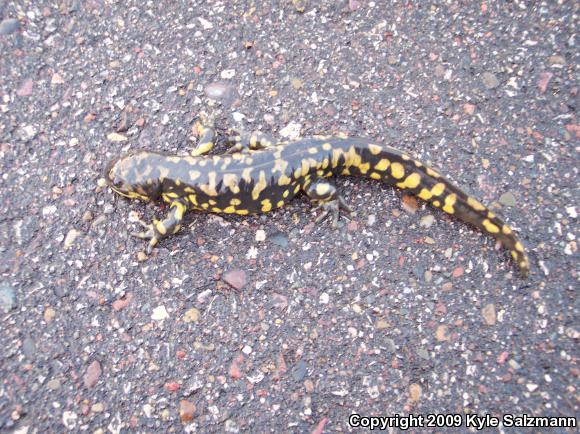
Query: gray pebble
(8,26)
(7,297)
(490,80)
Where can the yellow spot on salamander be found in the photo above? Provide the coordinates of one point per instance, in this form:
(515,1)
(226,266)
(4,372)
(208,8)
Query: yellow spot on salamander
(519,247)
(212,202)
(280,204)
(364,167)
(490,227)
(475,204)
(326,146)
(425,194)
(286,193)
(284,180)
(160,227)
(397,170)
(514,255)
(490,215)
(163,173)
(205,205)
(375,149)
(436,203)
(418,163)
(432,173)
(242,211)
(322,189)
(266,205)
(246,174)
(506,230)
(449,202)
(411,181)
(296,189)
(235,201)
(352,158)
(405,157)
(438,189)
(375,175)
(382,165)
(231,181)
(325,163)
(210,187)
(260,185)
(193,199)
(230,209)
(216,209)
(313,150)
(194,174)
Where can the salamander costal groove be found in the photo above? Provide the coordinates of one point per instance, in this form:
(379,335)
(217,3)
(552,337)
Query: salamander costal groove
(258,175)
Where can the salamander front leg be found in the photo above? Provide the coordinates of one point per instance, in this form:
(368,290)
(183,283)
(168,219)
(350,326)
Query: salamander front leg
(243,141)
(329,201)
(160,229)
(206,136)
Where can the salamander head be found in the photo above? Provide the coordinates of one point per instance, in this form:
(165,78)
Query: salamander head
(131,176)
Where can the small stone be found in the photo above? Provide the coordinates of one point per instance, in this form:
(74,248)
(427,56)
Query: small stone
(531,387)
(69,420)
(219,91)
(556,60)
(544,80)
(191,315)
(297,83)
(25,88)
(423,353)
(299,371)
(7,297)
(513,364)
(98,407)
(441,333)
(116,137)
(371,219)
(56,79)
(260,235)
(382,324)
(122,302)
(49,314)
(426,221)
(70,238)
(415,391)
(186,410)
(29,347)
(159,313)
(392,59)
(141,256)
(507,199)
(409,204)
(324,298)
(279,239)
(53,384)
(458,272)
(92,374)
(489,314)
(490,80)
(468,109)
(87,217)
(227,74)
(485,163)
(9,25)
(235,278)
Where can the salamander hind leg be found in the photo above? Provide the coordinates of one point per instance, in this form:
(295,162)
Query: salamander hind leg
(329,201)
(160,229)
(206,137)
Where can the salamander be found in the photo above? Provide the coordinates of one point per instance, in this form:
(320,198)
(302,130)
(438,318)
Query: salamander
(258,175)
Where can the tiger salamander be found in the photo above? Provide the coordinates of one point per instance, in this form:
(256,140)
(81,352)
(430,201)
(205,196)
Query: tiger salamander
(259,175)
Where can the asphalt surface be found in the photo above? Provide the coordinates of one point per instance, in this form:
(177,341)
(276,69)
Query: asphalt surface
(273,323)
